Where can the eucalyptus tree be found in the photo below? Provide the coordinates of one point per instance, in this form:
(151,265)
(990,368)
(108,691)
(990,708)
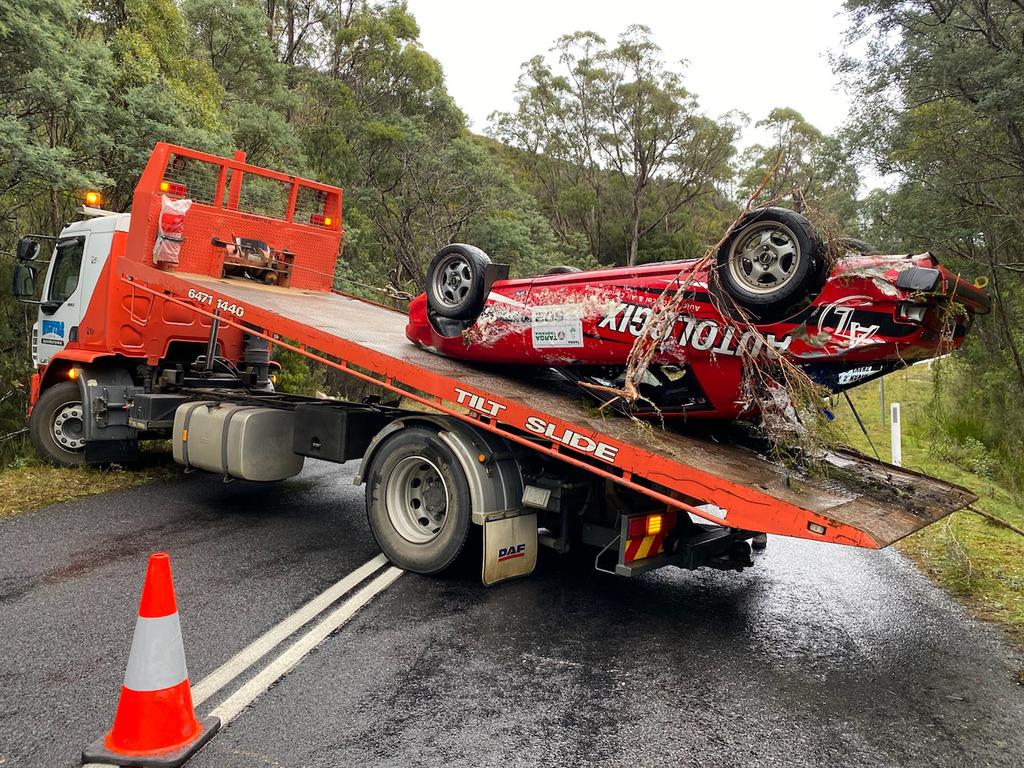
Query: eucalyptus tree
(801,161)
(941,107)
(614,140)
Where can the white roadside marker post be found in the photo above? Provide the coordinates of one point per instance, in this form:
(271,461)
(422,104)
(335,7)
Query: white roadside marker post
(894,427)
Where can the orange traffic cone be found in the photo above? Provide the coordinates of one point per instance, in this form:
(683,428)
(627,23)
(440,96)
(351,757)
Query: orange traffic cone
(155,724)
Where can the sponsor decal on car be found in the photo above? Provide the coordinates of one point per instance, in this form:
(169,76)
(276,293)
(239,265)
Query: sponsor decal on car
(702,335)
(839,316)
(856,374)
(556,326)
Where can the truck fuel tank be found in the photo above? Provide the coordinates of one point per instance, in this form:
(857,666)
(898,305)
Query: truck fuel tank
(247,442)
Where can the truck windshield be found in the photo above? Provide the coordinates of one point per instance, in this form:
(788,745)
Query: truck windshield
(67,264)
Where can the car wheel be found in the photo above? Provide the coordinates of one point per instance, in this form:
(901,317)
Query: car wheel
(57,425)
(563,269)
(455,281)
(770,261)
(417,501)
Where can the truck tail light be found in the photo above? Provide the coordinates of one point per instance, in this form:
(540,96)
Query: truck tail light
(651,525)
(321,221)
(173,189)
(646,535)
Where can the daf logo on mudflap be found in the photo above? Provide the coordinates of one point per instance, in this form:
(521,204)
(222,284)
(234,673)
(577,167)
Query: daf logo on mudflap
(508,553)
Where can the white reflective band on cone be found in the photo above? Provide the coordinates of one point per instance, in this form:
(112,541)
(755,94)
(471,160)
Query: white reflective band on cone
(157,658)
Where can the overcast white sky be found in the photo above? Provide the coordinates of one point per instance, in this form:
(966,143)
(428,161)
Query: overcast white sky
(743,54)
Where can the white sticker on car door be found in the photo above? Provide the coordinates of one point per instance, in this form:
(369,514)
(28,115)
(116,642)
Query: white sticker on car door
(556,326)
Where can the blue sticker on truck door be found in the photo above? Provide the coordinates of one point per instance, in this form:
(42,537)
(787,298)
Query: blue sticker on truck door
(53,332)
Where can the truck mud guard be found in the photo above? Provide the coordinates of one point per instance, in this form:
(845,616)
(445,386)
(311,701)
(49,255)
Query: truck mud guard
(107,390)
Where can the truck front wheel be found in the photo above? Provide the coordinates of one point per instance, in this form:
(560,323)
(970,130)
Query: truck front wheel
(57,425)
(417,500)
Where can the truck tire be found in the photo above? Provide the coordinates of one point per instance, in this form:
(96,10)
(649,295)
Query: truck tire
(57,426)
(417,501)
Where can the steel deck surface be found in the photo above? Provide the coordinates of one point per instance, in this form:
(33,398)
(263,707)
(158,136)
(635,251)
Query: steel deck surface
(883,501)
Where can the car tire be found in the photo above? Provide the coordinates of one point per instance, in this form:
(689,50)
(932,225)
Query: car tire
(563,269)
(455,281)
(57,425)
(772,259)
(417,501)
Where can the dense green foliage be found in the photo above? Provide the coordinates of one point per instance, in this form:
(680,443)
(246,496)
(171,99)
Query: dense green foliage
(607,158)
(341,92)
(942,106)
(613,146)
(803,162)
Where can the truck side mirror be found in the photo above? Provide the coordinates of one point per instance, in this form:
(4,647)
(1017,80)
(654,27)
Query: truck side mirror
(28,249)
(24,280)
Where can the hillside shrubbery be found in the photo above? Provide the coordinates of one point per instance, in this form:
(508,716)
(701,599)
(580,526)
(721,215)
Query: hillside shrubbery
(607,159)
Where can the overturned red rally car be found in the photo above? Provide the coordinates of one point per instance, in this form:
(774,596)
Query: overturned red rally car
(843,323)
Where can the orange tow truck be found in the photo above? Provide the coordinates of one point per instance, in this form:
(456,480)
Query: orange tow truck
(160,323)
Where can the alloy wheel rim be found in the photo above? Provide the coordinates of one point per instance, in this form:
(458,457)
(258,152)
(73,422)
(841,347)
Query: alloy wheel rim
(453,280)
(764,257)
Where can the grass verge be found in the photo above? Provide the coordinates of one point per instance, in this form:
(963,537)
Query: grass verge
(29,484)
(975,559)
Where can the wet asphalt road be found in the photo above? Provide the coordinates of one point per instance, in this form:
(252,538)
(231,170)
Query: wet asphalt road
(818,656)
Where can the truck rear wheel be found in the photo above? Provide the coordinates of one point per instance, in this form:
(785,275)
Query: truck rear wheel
(417,501)
(57,425)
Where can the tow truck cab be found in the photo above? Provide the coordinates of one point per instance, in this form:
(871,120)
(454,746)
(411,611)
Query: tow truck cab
(79,255)
(89,353)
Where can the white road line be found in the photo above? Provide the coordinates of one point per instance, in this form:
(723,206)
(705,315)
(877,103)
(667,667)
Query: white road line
(280,666)
(262,645)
